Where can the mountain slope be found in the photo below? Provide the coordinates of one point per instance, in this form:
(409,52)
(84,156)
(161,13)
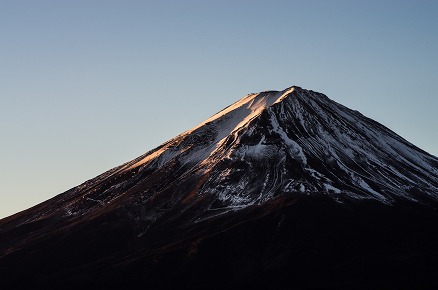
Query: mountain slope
(305,177)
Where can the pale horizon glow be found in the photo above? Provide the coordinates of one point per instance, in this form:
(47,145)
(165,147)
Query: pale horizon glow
(89,85)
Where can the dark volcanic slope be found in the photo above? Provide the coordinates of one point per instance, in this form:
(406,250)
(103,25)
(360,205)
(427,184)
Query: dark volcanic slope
(280,189)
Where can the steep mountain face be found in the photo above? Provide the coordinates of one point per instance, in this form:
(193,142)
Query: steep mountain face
(278,182)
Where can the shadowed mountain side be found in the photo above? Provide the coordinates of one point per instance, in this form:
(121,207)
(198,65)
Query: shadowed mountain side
(286,242)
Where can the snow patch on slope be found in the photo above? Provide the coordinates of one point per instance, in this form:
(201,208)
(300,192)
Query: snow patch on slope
(293,147)
(226,122)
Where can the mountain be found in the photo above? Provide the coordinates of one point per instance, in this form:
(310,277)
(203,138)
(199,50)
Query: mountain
(282,189)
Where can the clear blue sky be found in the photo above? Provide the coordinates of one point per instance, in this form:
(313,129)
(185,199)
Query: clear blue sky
(88,85)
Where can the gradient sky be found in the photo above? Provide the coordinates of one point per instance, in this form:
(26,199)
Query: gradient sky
(88,85)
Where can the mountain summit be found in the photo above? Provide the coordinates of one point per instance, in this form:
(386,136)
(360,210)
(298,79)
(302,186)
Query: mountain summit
(280,182)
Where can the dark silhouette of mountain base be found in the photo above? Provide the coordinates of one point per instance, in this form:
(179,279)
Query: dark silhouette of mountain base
(281,190)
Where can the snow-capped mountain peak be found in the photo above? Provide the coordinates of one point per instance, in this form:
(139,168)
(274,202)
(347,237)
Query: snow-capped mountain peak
(307,143)
(290,142)
(275,180)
